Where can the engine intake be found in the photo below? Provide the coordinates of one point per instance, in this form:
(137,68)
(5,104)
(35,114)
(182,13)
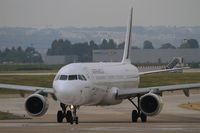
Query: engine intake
(151,104)
(36,105)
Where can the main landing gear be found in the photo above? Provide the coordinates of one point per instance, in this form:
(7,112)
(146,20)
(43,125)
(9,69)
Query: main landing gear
(70,115)
(137,113)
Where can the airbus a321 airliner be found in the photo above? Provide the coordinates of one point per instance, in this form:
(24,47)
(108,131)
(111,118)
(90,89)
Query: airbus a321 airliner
(99,84)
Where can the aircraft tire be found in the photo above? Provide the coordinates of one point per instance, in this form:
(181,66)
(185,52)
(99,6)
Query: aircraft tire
(76,120)
(69,117)
(134,116)
(59,116)
(143,117)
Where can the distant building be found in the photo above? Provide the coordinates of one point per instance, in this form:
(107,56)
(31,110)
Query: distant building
(148,55)
(60,59)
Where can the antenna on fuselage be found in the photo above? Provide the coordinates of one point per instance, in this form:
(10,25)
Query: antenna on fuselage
(127,47)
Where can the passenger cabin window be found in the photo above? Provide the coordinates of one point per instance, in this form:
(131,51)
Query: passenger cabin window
(63,77)
(72,77)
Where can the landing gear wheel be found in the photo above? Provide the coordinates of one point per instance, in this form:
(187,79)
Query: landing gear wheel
(69,117)
(60,116)
(143,117)
(76,120)
(134,116)
(72,122)
(137,113)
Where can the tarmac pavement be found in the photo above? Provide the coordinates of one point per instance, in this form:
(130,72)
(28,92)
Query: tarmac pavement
(110,119)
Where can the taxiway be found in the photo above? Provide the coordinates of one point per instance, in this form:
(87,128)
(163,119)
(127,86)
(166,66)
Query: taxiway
(110,119)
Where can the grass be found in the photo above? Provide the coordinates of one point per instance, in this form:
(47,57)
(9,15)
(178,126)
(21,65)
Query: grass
(145,81)
(193,106)
(29,67)
(30,80)
(160,79)
(9,116)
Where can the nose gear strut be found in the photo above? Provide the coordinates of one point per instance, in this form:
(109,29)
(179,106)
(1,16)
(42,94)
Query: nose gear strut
(70,115)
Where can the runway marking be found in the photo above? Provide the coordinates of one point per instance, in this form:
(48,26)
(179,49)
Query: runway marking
(164,127)
(138,129)
(28,124)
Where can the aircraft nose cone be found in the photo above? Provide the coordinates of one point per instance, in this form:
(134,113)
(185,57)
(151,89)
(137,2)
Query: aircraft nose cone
(66,93)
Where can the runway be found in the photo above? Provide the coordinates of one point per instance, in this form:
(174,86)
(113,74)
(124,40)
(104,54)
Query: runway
(110,119)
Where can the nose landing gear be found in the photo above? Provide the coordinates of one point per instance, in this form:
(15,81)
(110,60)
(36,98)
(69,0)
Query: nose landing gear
(70,115)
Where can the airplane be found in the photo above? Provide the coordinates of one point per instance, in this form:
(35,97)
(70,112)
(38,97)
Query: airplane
(100,84)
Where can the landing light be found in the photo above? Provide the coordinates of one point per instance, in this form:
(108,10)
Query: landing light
(71,107)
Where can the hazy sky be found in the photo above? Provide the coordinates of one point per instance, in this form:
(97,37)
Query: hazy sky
(90,13)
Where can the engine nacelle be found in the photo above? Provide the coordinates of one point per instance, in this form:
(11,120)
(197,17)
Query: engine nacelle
(36,105)
(151,104)
(110,98)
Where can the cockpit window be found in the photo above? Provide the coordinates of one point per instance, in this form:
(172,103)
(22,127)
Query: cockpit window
(63,77)
(81,77)
(72,77)
(57,77)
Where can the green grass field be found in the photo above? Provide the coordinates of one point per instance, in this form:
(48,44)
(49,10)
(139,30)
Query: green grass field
(9,116)
(169,79)
(145,80)
(28,67)
(31,80)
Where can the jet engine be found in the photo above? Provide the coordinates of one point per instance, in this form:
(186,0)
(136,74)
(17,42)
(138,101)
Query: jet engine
(36,105)
(151,104)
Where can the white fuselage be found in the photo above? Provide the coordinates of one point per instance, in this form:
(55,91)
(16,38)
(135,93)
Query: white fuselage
(100,86)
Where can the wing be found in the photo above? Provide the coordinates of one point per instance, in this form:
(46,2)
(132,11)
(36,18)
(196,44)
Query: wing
(128,93)
(26,88)
(169,67)
(158,71)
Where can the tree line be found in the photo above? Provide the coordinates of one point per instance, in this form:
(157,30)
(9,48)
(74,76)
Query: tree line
(190,43)
(19,55)
(84,49)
